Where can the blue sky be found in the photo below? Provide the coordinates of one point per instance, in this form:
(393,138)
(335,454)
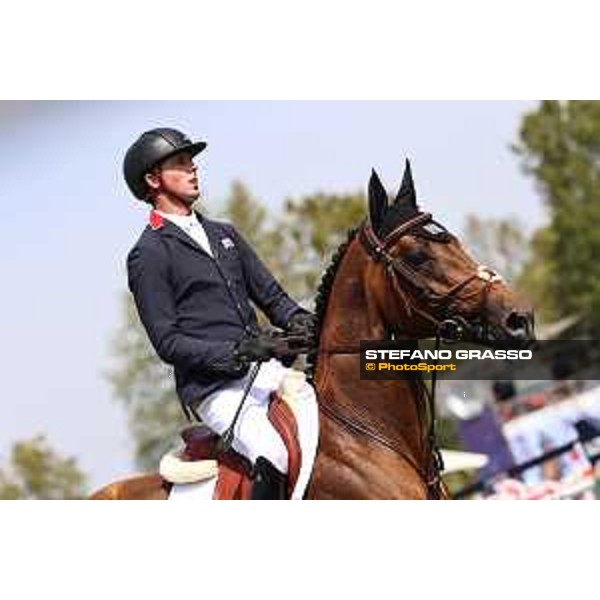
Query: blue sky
(67,221)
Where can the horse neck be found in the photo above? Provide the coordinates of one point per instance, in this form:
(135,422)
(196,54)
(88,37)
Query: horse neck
(353,312)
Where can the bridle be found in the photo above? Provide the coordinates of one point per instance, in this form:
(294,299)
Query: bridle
(443,316)
(447,324)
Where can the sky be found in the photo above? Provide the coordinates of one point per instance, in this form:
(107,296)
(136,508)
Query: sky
(67,222)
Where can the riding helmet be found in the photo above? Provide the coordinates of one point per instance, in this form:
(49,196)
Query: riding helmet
(151,148)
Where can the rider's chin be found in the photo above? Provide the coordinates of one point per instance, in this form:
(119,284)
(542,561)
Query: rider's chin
(191,198)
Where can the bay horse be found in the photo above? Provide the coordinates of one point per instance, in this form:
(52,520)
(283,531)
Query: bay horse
(399,274)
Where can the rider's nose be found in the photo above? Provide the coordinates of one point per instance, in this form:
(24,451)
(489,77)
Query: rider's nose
(519,324)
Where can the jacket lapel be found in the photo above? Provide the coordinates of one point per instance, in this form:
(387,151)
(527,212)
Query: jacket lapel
(213,233)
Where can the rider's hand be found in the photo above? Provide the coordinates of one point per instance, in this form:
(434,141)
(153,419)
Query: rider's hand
(302,324)
(227,366)
(260,347)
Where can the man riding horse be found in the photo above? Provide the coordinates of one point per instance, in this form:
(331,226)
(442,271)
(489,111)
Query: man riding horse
(399,275)
(193,280)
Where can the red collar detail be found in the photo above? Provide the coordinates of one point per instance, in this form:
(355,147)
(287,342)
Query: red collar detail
(156,220)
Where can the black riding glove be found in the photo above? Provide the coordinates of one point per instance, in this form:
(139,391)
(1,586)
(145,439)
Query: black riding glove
(261,347)
(227,365)
(302,324)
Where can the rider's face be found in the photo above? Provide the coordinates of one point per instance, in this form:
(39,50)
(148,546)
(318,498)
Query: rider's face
(178,175)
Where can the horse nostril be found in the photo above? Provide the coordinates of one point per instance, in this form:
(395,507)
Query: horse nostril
(518,322)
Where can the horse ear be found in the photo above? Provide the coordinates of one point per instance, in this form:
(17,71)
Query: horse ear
(378,201)
(407,193)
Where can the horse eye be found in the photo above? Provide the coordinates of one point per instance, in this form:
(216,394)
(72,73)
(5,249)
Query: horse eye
(416,257)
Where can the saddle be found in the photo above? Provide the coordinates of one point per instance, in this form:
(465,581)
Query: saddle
(233,471)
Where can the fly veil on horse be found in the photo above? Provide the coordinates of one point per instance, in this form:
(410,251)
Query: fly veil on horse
(403,274)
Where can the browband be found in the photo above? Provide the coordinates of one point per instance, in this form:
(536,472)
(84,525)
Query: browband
(401,230)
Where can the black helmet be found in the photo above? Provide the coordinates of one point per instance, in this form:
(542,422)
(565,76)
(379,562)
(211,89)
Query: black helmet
(151,148)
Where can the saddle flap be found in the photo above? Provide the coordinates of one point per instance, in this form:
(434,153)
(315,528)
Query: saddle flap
(283,420)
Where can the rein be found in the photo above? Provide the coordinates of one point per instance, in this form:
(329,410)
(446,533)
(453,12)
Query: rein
(449,326)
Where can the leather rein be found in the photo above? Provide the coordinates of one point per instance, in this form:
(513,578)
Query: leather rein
(448,326)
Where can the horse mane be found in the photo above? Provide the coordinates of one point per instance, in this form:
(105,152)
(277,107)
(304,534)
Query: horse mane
(323,294)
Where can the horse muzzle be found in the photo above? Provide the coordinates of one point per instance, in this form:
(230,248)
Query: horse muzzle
(519,326)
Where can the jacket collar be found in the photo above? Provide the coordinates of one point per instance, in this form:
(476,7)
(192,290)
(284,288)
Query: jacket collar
(156,220)
(158,223)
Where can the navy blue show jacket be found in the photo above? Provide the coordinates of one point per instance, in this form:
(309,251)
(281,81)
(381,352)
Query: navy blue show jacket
(196,308)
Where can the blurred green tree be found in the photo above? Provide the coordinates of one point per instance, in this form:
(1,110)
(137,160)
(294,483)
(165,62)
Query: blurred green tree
(247,214)
(312,228)
(540,269)
(36,471)
(295,245)
(559,145)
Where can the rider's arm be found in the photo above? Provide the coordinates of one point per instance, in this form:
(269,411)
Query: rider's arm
(264,290)
(148,275)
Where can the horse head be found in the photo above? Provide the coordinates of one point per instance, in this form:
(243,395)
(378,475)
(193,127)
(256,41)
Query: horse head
(427,284)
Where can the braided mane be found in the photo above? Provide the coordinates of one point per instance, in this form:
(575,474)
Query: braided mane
(323,294)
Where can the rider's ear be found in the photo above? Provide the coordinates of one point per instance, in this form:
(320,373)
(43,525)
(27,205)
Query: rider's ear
(378,201)
(407,193)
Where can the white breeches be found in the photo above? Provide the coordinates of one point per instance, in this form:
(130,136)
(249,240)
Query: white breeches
(254,435)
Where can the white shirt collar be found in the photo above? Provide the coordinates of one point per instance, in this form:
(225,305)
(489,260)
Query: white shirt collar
(181,220)
(191,226)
